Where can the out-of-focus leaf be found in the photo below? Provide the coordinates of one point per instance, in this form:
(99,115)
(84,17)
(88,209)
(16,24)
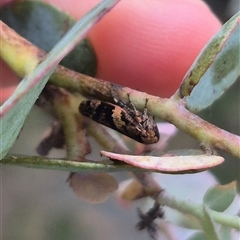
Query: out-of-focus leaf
(169,164)
(12,122)
(197,236)
(219,197)
(44,25)
(216,68)
(227,233)
(15,110)
(130,190)
(208,226)
(93,187)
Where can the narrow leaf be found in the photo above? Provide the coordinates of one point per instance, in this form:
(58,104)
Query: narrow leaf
(44,25)
(13,120)
(169,164)
(216,68)
(15,110)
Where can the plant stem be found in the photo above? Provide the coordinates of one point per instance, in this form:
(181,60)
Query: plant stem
(66,165)
(196,210)
(169,110)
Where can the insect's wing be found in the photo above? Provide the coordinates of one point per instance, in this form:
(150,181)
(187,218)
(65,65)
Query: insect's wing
(98,111)
(111,116)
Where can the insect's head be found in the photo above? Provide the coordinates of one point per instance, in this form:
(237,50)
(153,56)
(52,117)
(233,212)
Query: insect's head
(150,133)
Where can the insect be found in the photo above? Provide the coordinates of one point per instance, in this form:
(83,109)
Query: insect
(122,118)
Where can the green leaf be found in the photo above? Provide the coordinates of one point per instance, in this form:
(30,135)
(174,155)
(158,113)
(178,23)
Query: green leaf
(226,233)
(44,25)
(13,120)
(216,68)
(15,110)
(219,197)
(197,236)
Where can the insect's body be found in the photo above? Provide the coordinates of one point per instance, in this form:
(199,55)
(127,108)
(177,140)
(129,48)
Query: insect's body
(130,122)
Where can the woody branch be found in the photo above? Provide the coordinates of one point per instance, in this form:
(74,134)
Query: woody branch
(170,110)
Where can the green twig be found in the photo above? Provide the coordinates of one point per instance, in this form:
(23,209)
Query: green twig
(66,165)
(196,210)
(167,109)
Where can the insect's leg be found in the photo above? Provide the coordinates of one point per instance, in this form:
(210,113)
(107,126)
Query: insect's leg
(139,117)
(146,120)
(136,112)
(131,111)
(117,100)
(131,104)
(145,108)
(146,103)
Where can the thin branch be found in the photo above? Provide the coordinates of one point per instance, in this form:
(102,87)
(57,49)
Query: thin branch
(66,165)
(187,207)
(169,110)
